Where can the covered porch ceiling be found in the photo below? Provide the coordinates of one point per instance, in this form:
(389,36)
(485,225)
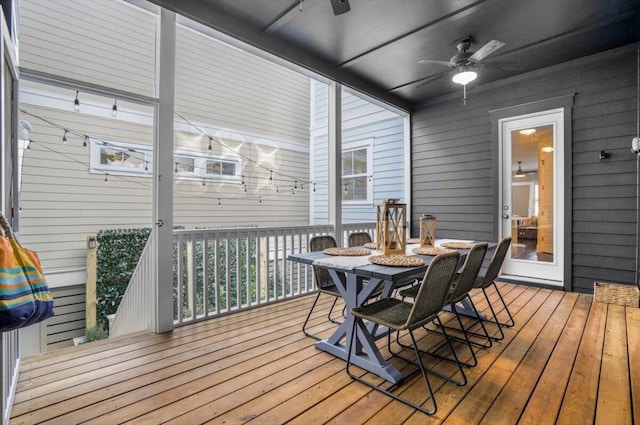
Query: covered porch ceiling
(376,46)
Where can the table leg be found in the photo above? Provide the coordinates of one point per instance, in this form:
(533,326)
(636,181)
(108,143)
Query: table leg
(365,353)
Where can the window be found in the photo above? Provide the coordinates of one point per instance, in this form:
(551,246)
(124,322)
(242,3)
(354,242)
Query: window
(356,175)
(130,159)
(120,158)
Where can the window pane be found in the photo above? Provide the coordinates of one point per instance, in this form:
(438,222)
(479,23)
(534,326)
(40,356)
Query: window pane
(347,163)
(228,169)
(360,188)
(214,167)
(184,165)
(108,156)
(360,161)
(133,159)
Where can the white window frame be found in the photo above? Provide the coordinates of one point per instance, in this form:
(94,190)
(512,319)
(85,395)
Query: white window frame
(354,146)
(199,163)
(95,146)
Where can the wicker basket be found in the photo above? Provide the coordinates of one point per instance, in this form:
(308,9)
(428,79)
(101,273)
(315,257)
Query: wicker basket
(616,293)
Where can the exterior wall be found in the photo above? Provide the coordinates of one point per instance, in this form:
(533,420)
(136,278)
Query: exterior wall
(110,43)
(454,161)
(362,121)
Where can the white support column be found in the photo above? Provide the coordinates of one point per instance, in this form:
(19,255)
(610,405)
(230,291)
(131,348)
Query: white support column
(335,159)
(407,170)
(163,174)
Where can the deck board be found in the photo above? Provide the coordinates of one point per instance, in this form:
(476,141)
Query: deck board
(256,366)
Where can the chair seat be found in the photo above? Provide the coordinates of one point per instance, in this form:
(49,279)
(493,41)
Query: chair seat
(389,312)
(330,289)
(410,292)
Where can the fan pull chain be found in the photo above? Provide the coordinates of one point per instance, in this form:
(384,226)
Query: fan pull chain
(464,99)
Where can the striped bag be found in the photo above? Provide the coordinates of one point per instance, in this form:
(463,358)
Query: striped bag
(24,296)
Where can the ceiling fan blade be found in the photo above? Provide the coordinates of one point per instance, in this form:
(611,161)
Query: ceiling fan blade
(486,50)
(427,61)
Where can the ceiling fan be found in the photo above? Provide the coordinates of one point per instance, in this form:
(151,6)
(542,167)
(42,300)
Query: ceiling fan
(464,64)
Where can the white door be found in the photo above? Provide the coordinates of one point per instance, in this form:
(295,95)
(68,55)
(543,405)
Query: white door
(532,195)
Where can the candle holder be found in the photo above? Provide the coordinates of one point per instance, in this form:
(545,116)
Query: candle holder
(427,231)
(391,227)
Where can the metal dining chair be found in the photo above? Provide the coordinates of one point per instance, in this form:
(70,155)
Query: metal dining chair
(489,279)
(461,286)
(400,315)
(322,279)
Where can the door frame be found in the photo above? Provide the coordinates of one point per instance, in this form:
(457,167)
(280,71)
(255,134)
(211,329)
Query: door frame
(566,103)
(551,272)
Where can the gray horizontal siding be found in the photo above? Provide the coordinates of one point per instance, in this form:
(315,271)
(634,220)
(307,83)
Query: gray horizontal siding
(453,167)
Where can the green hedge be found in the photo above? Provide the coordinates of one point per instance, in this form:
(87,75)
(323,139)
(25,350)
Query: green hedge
(118,253)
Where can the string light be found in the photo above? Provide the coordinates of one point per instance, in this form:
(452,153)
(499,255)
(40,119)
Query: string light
(270,177)
(64,137)
(219,203)
(260,200)
(203,183)
(295,184)
(243,183)
(314,188)
(85,142)
(345,189)
(106,180)
(293,192)
(245,189)
(370,178)
(210,147)
(277,189)
(146,167)
(29,145)
(301,186)
(76,103)
(114,109)
(176,169)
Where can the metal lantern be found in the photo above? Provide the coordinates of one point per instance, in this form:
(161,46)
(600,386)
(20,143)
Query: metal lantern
(427,231)
(391,234)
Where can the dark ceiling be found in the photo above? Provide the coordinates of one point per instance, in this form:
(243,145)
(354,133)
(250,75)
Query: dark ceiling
(376,45)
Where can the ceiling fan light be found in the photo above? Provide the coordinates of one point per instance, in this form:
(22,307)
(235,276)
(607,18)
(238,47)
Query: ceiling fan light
(520,173)
(464,76)
(547,149)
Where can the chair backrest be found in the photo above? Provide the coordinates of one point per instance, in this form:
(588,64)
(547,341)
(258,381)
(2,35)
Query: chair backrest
(359,238)
(434,289)
(470,269)
(496,263)
(319,243)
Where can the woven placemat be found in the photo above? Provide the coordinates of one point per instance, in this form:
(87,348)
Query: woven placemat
(413,240)
(347,252)
(457,245)
(370,245)
(431,250)
(396,260)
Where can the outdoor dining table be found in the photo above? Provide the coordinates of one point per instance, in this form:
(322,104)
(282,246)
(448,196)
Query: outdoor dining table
(356,279)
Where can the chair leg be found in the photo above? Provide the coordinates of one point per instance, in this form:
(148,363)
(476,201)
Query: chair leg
(495,317)
(304,325)
(337,322)
(387,391)
(511,322)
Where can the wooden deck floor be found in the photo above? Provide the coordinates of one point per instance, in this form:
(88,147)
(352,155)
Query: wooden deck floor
(567,361)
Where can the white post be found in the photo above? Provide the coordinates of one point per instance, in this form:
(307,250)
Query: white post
(163,174)
(335,160)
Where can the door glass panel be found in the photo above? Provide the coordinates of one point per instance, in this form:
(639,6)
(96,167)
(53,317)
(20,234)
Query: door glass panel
(532,207)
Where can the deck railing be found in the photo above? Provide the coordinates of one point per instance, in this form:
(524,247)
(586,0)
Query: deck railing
(224,270)
(136,311)
(10,364)
(220,271)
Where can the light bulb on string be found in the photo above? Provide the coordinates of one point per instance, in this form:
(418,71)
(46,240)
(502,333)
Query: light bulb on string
(370,178)
(114,109)
(277,189)
(270,177)
(176,169)
(210,148)
(85,142)
(245,189)
(295,184)
(64,137)
(345,189)
(260,200)
(301,186)
(28,145)
(146,166)
(242,182)
(203,182)
(314,187)
(76,103)
(219,203)
(106,178)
